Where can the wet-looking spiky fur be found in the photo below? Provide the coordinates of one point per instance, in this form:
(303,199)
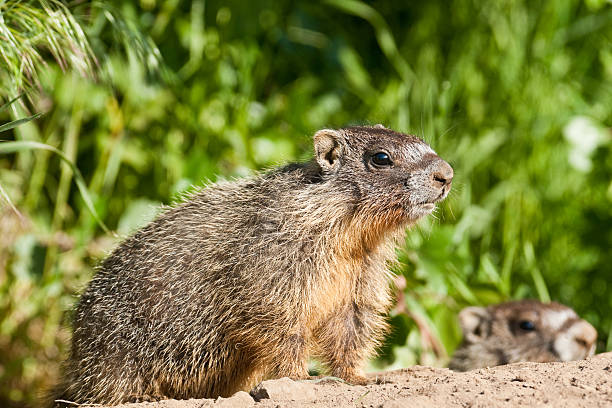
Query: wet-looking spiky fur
(247,278)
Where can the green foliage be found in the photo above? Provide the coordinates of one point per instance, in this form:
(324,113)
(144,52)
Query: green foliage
(516,95)
(29,30)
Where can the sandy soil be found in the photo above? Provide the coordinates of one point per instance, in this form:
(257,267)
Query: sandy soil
(586,383)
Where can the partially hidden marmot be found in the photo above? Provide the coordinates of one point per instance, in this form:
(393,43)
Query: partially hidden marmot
(525,330)
(247,278)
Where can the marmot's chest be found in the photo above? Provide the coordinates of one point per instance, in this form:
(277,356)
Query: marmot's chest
(354,268)
(336,288)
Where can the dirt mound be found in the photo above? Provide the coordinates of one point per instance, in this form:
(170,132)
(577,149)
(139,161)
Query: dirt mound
(586,383)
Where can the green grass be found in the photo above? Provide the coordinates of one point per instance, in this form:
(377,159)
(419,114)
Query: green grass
(516,95)
(31,30)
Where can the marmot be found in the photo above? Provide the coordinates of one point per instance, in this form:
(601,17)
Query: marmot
(525,330)
(247,278)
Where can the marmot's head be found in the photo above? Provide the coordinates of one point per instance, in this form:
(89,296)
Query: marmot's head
(525,330)
(388,174)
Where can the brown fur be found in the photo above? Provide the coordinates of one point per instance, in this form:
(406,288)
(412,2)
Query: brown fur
(246,279)
(494,336)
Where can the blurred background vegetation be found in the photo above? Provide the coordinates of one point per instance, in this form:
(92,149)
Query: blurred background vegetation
(146,98)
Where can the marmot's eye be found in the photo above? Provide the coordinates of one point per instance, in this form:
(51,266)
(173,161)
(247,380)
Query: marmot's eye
(381,159)
(527,325)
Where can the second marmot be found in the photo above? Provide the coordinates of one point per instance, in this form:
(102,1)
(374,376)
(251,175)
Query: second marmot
(248,278)
(525,330)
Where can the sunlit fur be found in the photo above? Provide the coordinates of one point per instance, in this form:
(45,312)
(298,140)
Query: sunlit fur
(493,336)
(245,279)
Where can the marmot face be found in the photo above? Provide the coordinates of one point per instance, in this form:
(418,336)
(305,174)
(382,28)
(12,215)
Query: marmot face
(522,331)
(391,173)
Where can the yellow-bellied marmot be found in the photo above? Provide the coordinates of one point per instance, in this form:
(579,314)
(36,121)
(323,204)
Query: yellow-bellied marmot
(525,330)
(247,278)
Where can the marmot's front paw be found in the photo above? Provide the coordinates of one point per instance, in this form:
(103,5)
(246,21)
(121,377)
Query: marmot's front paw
(358,380)
(137,398)
(299,377)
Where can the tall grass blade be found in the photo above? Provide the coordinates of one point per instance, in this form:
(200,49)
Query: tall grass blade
(6,198)
(12,147)
(383,33)
(536,275)
(15,123)
(9,103)
(30,30)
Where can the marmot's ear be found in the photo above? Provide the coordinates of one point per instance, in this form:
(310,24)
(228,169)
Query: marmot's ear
(328,144)
(473,321)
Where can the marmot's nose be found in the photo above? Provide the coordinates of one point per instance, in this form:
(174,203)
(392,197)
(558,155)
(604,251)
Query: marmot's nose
(442,174)
(586,336)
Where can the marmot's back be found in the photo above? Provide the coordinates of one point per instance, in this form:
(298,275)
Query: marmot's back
(246,278)
(525,330)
